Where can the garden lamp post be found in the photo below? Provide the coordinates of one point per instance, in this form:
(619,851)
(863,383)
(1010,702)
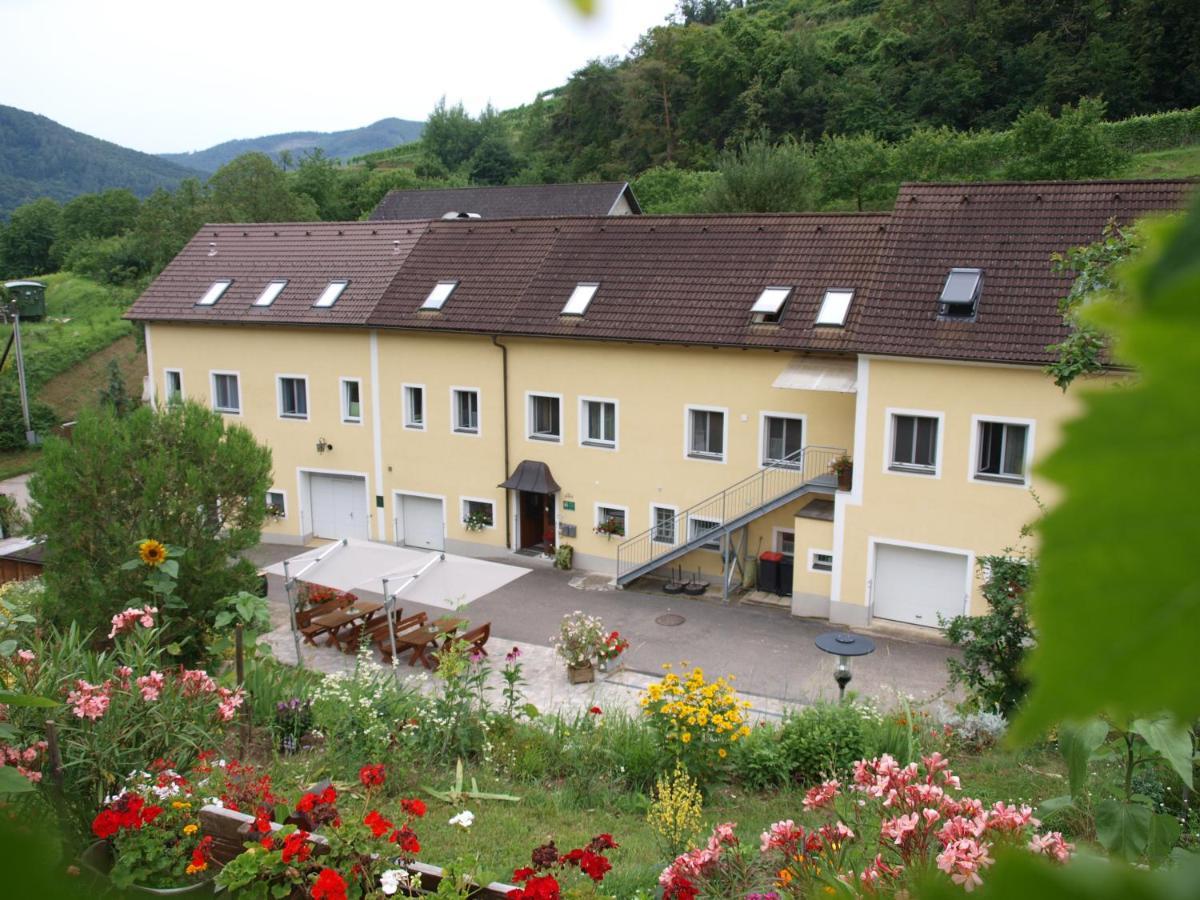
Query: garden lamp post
(845,647)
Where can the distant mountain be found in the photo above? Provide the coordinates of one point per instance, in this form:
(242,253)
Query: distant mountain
(338,144)
(40,158)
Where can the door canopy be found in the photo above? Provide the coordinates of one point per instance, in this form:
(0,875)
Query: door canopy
(531,476)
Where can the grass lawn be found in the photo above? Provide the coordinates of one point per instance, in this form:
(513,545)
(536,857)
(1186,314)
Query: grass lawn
(1178,162)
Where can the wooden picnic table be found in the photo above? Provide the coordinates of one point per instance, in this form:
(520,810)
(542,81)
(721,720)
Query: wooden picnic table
(359,614)
(421,639)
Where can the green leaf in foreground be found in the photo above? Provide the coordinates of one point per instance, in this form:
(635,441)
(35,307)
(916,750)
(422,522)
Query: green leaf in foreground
(11,698)
(1171,740)
(13,782)
(1117,605)
(1078,743)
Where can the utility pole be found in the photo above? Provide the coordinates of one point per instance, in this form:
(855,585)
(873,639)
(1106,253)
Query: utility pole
(30,437)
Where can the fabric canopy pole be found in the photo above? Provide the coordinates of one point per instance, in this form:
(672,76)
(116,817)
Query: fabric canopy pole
(289,583)
(389,599)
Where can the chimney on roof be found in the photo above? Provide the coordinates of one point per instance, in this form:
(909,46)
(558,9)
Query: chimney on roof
(212,248)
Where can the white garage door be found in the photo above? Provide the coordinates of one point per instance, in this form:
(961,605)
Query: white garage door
(339,506)
(914,585)
(421,522)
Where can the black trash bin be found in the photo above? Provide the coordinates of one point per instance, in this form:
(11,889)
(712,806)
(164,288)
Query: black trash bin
(768,571)
(786,566)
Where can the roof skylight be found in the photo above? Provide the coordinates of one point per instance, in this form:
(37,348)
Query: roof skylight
(577,303)
(439,295)
(270,292)
(834,306)
(769,305)
(213,294)
(330,295)
(960,292)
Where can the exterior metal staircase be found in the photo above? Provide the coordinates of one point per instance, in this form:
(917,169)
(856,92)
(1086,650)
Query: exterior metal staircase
(716,518)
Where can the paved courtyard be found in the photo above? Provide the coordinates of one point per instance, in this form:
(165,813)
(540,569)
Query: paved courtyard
(770,653)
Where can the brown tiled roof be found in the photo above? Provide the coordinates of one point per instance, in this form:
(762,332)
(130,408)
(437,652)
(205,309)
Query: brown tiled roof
(1010,231)
(308,254)
(506,202)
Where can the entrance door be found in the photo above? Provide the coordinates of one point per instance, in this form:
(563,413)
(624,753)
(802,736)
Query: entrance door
(422,522)
(916,586)
(537,521)
(338,506)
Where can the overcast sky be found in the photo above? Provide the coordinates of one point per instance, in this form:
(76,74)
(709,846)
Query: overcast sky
(173,75)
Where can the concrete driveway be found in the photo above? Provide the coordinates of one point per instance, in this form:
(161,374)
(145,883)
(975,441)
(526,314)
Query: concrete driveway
(770,653)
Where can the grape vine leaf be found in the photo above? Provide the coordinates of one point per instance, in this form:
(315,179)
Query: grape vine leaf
(1117,605)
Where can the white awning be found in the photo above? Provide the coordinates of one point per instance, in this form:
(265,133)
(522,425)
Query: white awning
(804,373)
(362,566)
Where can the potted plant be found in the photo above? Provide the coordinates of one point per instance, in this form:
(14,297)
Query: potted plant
(149,839)
(477,521)
(843,468)
(613,646)
(579,641)
(564,557)
(609,527)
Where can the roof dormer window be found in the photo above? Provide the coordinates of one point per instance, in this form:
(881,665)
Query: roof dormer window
(769,306)
(835,306)
(213,294)
(270,292)
(960,294)
(439,295)
(580,298)
(330,295)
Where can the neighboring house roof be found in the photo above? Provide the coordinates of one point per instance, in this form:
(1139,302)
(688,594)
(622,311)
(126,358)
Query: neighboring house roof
(309,255)
(1009,230)
(685,279)
(507,202)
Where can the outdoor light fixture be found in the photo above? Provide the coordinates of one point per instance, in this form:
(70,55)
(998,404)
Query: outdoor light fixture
(323,445)
(844,646)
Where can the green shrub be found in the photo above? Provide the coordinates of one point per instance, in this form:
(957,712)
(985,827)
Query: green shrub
(760,760)
(823,741)
(12,422)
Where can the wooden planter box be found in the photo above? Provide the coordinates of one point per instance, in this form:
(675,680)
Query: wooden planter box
(581,674)
(845,478)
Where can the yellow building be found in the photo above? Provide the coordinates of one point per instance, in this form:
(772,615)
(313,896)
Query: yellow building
(656,392)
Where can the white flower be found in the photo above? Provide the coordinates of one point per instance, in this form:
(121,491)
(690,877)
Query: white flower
(393,879)
(464,819)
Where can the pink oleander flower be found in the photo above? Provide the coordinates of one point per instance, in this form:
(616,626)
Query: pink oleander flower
(1052,845)
(25,657)
(963,860)
(151,686)
(229,702)
(821,796)
(877,871)
(196,682)
(960,827)
(898,830)
(1010,819)
(837,834)
(89,701)
(130,618)
(785,836)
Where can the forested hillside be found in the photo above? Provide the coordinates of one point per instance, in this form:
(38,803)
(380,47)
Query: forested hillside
(292,145)
(40,158)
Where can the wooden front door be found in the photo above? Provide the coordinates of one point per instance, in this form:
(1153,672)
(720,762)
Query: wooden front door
(537,520)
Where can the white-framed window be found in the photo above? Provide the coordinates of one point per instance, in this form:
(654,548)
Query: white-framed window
(271,292)
(351,400)
(834,306)
(1001,449)
(414,406)
(464,410)
(598,422)
(476,509)
(293,396)
(439,295)
(277,504)
(782,438)
(699,526)
(543,417)
(785,542)
(662,523)
(213,294)
(226,393)
(580,298)
(820,560)
(332,291)
(705,437)
(612,520)
(173,379)
(914,441)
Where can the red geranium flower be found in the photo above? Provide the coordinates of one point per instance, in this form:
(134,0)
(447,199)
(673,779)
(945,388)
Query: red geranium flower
(520,875)
(377,823)
(372,776)
(262,821)
(413,807)
(329,886)
(106,824)
(296,846)
(150,813)
(594,866)
(406,839)
(595,710)
(539,887)
(603,842)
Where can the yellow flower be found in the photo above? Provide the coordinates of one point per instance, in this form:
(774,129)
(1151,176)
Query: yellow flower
(785,877)
(721,752)
(152,552)
(191,829)
(686,737)
(180,804)
(192,870)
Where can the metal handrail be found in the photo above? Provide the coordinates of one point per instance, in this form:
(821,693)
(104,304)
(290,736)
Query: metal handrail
(755,491)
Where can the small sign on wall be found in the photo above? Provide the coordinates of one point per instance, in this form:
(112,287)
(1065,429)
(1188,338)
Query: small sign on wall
(568,505)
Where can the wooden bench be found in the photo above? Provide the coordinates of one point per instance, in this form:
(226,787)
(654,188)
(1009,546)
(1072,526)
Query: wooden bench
(304,617)
(228,829)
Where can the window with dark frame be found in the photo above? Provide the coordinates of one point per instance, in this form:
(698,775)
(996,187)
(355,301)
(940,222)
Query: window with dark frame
(822,562)
(414,407)
(698,527)
(277,503)
(293,398)
(664,525)
(466,411)
(484,510)
(226,397)
(914,443)
(351,401)
(706,438)
(545,420)
(785,542)
(600,422)
(783,439)
(612,517)
(174,386)
(1002,451)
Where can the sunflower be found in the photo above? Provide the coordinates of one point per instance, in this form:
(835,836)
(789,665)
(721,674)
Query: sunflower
(152,552)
